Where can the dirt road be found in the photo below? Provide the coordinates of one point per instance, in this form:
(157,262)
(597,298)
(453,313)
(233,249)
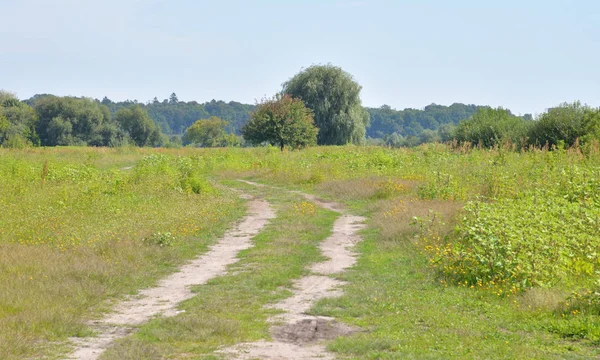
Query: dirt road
(296,335)
(163,299)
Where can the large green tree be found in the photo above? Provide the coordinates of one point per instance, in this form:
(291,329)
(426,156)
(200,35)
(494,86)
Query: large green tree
(334,97)
(71,121)
(140,127)
(210,133)
(281,121)
(17,122)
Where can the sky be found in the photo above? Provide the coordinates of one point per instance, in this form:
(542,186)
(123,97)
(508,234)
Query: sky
(524,55)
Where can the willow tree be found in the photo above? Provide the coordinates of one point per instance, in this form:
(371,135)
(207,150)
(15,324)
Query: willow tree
(334,97)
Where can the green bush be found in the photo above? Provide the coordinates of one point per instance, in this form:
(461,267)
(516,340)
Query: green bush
(492,127)
(539,238)
(565,124)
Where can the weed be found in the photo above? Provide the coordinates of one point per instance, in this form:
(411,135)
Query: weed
(160,239)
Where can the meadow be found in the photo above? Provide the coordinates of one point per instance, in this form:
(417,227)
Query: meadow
(469,253)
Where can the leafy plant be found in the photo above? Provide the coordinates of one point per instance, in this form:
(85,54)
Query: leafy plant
(160,239)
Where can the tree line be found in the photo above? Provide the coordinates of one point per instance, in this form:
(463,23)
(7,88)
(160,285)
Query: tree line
(58,121)
(174,116)
(565,125)
(319,105)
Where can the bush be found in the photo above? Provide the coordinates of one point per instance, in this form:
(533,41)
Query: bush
(492,127)
(539,238)
(565,124)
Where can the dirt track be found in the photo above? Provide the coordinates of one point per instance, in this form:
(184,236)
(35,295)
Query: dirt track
(164,298)
(295,334)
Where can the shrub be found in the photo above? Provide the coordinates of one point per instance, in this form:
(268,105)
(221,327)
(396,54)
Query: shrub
(492,127)
(565,124)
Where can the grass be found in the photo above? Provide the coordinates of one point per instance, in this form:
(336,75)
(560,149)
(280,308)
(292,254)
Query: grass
(231,309)
(407,314)
(442,288)
(77,240)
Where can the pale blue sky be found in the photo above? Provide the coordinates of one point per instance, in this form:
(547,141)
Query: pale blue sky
(525,55)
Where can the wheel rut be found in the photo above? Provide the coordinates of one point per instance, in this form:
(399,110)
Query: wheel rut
(295,334)
(170,291)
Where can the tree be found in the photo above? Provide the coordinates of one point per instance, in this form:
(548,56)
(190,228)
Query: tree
(334,97)
(69,120)
(446,132)
(385,120)
(140,127)
(208,133)
(173,99)
(565,124)
(17,122)
(4,127)
(281,121)
(490,127)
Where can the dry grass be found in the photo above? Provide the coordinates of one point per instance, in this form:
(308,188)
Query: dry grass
(366,188)
(542,299)
(394,216)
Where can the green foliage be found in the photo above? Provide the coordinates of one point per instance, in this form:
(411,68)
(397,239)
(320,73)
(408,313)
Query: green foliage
(538,240)
(185,175)
(565,124)
(281,121)
(174,117)
(4,126)
(17,122)
(77,241)
(140,127)
(160,239)
(334,97)
(412,122)
(73,121)
(524,236)
(209,133)
(492,127)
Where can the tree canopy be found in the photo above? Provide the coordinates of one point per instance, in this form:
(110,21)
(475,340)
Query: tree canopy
(490,127)
(566,124)
(139,126)
(281,121)
(74,121)
(174,116)
(210,133)
(334,97)
(49,120)
(17,122)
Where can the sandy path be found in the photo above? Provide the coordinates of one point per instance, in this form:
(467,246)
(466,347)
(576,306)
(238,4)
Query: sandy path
(163,298)
(295,334)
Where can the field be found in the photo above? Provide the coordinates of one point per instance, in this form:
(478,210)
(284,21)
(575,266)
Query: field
(467,253)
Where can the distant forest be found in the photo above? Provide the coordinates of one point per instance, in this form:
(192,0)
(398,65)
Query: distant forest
(49,120)
(174,116)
